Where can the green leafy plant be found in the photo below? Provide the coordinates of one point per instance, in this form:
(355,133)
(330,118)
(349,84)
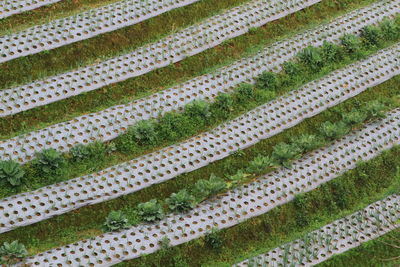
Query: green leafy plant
(224,102)
(80,152)
(11,172)
(181,201)
(150,211)
(312,58)
(174,125)
(291,69)
(371,35)
(375,109)
(144,132)
(49,161)
(212,186)
(12,253)
(389,29)
(198,108)
(245,92)
(259,164)
(307,142)
(354,117)
(115,221)
(351,43)
(237,178)
(213,239)
(267,81)
(333,130)
(284,153)
(331,52)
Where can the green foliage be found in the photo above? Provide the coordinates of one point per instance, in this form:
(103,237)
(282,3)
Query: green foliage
(351,43)
(212,186)
(389,29)
(245,92)
(300,204)
(267,81)
(12,253)
(312,58)
(307,142)
(284,153)
(11,172)
(333,130)
(224,102)
(198,109)
(49,161)
(80,152)
(375,109)
(115,221)
(144,132)
(214,240)
(291,69)
(371,35)
(174,125)
(150,211)
(181,201)
(331,52)
(259,164)
(238,178)
(354,117)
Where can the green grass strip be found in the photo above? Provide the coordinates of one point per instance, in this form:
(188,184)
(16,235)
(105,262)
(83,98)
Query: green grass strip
(383,251)
(369,182)
(156,80)
(86,222)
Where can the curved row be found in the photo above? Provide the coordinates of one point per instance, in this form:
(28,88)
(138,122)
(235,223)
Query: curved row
(349,232)
(110,123)
(237,205)
(168,50)
(83,26)
(258,124)
(12,7)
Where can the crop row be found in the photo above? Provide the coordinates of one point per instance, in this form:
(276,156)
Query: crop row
(237,205)
(351,231)
(168,50)
(260,123)
(83,26)
(110,123)
(11,7)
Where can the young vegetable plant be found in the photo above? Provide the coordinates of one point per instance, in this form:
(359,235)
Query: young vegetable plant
(12,253)
(150,211)
(11,172)
(115,221)
(181,201)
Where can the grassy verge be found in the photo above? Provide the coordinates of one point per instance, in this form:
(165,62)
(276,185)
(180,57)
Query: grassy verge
(157,80)
(379,252)
(165,134)
(86,222)
(343,196)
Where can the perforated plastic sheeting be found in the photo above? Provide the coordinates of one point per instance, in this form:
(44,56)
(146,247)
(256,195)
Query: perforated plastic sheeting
(12,7)
(351,231)
(246,130)
(108,124)
(83,26)
(166,51)
(235,206)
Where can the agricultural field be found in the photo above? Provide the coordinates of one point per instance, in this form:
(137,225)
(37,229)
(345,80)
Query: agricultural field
(213,133)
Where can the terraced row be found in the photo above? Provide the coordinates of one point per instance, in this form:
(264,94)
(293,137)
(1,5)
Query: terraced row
(168,50)
(83,26)
(108,124)
(375,220)
(11,7)
(235,206)
(260,123)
